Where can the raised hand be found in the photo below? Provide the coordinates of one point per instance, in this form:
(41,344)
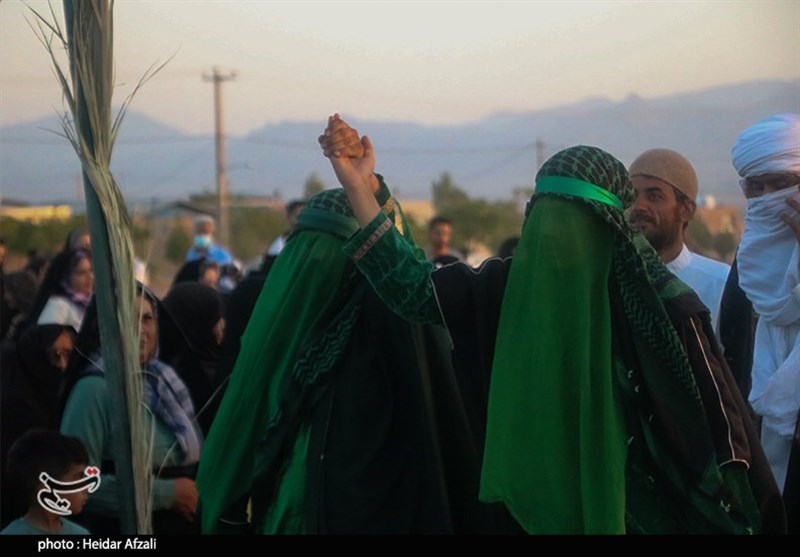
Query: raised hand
(340,140)
(354,166)
(356,173)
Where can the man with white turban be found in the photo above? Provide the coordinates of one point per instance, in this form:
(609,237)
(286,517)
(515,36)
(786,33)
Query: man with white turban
(767,157)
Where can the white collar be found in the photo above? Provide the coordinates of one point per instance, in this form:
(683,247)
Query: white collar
(681,262)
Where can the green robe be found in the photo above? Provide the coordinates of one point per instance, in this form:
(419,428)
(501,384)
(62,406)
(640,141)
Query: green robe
(688,491)
(340,417)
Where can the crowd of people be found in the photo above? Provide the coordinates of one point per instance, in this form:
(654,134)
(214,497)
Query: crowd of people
(598,377)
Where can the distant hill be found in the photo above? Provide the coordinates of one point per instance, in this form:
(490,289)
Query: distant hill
(488,157)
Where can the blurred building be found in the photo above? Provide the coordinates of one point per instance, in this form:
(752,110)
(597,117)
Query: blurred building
(34,214)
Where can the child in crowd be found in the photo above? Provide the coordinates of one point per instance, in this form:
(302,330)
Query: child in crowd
(49,470)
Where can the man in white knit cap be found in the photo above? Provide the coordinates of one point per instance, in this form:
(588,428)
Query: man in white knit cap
(666,189)
(767,158)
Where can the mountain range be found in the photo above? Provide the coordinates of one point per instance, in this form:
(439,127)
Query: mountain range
(487,158)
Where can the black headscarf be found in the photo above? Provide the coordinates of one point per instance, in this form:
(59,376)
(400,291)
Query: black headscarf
(74,236)
(29,388)
(56,281)
(196,309)
(238,309)
(192,271)
(29,379)
(189,346)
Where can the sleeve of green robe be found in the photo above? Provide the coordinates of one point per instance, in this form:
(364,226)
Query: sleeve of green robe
(86,417)
(393,268)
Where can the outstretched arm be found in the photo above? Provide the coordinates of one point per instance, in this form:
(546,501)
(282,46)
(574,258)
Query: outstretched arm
(390,262)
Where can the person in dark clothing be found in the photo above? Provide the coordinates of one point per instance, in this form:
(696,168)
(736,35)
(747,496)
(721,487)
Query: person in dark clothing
(66,290)
(440,233)
(737,329)
(201,270)
(238,309)
(196,309)
(19,295)
(508,247)
(32,375)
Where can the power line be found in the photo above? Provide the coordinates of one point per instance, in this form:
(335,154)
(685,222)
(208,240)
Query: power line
(177,169)
(525,150)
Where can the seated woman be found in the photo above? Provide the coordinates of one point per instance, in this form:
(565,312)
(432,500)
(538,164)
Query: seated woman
(177,440)
(66,290)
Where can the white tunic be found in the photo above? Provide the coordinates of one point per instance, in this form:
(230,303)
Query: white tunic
(703,275)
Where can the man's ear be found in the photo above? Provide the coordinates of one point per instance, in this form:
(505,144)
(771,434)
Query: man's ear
(688,208)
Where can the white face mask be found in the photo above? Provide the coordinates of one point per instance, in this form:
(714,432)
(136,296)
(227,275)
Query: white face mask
(768,257)
(202,241)
(772,205)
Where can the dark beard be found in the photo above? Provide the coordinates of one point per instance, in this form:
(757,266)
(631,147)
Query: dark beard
(660,239)
(666,235)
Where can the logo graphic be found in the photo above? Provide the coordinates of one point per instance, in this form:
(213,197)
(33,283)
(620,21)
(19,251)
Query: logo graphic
(49,498)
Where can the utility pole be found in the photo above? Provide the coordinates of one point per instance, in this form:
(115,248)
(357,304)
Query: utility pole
(217,78)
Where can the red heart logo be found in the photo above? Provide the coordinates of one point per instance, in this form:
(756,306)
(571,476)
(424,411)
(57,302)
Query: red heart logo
(92,471)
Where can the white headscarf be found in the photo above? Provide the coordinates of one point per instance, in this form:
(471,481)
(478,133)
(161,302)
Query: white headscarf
(771,145)
(769,271)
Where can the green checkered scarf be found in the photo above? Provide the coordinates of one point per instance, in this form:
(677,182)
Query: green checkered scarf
(299,328)
(556,451)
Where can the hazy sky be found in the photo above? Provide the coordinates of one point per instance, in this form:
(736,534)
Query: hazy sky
(431,62)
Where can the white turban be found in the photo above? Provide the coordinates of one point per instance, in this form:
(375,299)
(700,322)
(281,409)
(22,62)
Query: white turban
(771,145)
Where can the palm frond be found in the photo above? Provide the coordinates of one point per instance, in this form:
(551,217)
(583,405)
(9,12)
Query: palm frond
(88,37)
(147,76)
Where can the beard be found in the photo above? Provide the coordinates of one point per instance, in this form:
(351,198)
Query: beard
(660,238)
(660,235)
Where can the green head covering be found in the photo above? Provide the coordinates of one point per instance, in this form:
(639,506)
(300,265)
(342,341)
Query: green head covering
(556,451)
(328,211)
(299,328)
(300,324)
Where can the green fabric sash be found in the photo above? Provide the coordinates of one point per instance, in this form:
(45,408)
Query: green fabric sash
(556,434)
(578,188)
